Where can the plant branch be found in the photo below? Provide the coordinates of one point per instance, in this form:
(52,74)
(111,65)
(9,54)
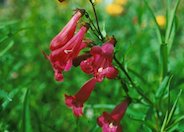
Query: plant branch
(96,18)
(132,83)
(93,27)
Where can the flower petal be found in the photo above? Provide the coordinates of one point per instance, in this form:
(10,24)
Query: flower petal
(111,72)
(86,65)
(58,76)
(96,50)
(67,32)
(70,101)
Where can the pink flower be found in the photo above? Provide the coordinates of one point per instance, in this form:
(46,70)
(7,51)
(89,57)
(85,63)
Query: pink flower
(61,58)
(100,64)
(110,122)
(67,32)
(76,102)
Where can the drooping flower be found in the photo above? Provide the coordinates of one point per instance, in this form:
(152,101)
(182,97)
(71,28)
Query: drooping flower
(67,32)
(61,58)
(110,122)
(76,102)
(100,64)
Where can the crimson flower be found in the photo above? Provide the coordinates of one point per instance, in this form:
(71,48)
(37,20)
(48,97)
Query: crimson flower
(67,32)
(100,64)
(110,122)
(61,58)
(76,102)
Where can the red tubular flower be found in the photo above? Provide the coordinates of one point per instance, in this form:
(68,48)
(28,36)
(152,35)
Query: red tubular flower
(67,32)
(61,58)
(76,102)
(110,122)
(100,64)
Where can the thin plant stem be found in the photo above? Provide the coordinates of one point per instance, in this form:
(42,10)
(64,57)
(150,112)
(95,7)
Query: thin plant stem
(164,58)
(124,86)
(132,83)
(91,22)
(94,32)
(139,76)
(96,18)
(93,27)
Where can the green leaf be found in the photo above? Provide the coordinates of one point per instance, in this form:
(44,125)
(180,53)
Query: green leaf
(171,113)
(11,43)
(171,39)
(26,124)
(100,106)
(5,95)
(170,21)
(103,30)
(154,18)
(174,123)
(8,97)
(163,86)
(164,122)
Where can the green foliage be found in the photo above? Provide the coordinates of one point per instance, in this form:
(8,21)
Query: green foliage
(30,98)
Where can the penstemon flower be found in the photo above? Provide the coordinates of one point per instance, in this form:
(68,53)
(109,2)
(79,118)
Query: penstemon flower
(61,58)
(110,122)
(67,32)
(100,64)
(76,102)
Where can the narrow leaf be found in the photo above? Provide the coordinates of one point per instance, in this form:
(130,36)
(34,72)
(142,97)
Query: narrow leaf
(170,21)
(6,48)
(175,122)
(154,18)
(171,113)
(26,125)
(5,95)
(163,86)
(164,122)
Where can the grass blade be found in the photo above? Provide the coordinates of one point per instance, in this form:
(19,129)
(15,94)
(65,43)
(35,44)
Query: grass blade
(170,21)
(7,48)
(171,113)
(163,86)
(26,125)
(154,18)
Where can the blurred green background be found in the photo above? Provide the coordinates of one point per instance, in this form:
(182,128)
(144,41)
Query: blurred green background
(30,98)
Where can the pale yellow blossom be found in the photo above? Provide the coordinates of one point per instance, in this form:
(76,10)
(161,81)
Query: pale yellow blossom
(98,1)
(161,20)
(114,9)
(121,2)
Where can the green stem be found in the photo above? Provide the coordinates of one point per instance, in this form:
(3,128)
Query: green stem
(96,18)
(164,59)
(93,27)
(132,83)
(91,22)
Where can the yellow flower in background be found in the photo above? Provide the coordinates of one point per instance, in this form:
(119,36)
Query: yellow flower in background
(114,9)
(98,1)
(121,2)
(161,20)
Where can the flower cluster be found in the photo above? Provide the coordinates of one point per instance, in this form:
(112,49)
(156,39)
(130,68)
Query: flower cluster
(65,48)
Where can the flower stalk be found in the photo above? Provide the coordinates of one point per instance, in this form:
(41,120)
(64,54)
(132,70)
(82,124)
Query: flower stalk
(96,18)
(132,83)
